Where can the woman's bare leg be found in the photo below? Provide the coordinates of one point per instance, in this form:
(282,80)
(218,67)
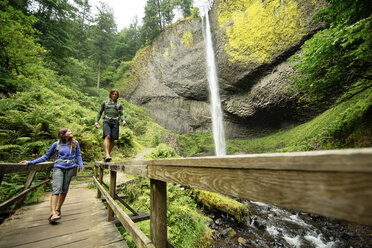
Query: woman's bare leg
(53,206)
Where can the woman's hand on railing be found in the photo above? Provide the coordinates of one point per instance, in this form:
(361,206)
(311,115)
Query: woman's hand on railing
(81,170)
(23,162)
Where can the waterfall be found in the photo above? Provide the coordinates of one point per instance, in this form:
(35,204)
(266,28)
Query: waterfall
(215,102)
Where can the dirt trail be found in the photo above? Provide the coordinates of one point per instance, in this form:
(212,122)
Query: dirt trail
(121,177)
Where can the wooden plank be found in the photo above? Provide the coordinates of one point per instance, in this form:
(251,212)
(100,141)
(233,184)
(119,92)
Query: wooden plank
(353,160)
(137,235)
(83,224)
(342,195)
(126,167)
(15,167)
(158,223)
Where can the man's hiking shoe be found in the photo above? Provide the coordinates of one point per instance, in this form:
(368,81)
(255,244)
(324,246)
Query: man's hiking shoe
(108,159)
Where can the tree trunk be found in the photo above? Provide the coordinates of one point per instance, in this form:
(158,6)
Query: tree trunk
(99,73)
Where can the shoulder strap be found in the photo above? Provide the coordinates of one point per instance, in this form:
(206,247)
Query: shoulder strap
(106,103)
(58,145)
(117,104)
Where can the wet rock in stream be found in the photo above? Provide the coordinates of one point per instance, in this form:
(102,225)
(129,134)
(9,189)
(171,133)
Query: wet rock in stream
(269,226)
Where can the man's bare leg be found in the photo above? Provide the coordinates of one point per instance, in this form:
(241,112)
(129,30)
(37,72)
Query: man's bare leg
(106,146)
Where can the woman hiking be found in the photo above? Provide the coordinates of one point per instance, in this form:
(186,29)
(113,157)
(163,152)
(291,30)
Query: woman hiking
(68,155)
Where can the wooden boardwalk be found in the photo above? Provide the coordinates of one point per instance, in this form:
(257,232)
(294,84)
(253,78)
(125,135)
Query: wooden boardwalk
(83,224)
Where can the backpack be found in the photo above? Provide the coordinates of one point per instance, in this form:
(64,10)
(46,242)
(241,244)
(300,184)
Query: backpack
(58,146)
(117,105)
(57,159)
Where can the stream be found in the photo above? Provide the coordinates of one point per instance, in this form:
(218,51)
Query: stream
(270,226)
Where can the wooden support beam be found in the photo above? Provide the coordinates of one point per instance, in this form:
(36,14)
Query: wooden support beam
(158,223)
(112,190)
(125,204)
(137,235)
(11,201)
(47,173)
(30,178)
(100,180)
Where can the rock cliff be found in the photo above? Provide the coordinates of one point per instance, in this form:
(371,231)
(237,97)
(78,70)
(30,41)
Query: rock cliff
(252,40)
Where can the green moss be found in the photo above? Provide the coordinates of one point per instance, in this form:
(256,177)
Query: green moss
(187,39)
(261,29)
(219,202)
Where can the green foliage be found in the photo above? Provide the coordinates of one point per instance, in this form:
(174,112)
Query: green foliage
(20,54)
(196,144)
(13,183)
(345,125)
(162,151)
(129,42)
(337,57)
(334,59)
(54,28)
(159,14)
(182,215)
(344,11)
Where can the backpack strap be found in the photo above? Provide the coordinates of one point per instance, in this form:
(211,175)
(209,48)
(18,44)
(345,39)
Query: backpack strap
(58,146)
(117,105)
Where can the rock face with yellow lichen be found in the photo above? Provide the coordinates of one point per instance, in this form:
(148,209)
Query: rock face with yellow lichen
(252,40)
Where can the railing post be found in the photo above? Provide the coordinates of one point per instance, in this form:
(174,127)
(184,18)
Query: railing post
(100,180)
(158,215)
(47,173)
(28,183)
(112,189)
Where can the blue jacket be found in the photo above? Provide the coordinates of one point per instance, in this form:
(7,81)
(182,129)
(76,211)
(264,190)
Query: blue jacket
(66,158)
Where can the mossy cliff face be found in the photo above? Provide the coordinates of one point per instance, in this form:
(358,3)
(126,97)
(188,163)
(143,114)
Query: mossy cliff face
(261,30)
(169,79)
(252,40)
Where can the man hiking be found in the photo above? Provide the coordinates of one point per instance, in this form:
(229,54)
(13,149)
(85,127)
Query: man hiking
(113,113)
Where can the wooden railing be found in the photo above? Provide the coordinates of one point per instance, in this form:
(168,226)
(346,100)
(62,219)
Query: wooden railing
(19,198)
(333,183)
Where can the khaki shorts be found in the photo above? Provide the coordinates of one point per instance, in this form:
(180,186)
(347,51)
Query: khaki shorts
(61,180)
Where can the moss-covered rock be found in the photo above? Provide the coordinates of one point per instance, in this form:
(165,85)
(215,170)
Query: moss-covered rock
(214,201)
(252,40)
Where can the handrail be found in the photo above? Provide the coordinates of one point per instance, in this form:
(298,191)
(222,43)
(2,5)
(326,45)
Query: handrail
(332,183)
(16,167)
